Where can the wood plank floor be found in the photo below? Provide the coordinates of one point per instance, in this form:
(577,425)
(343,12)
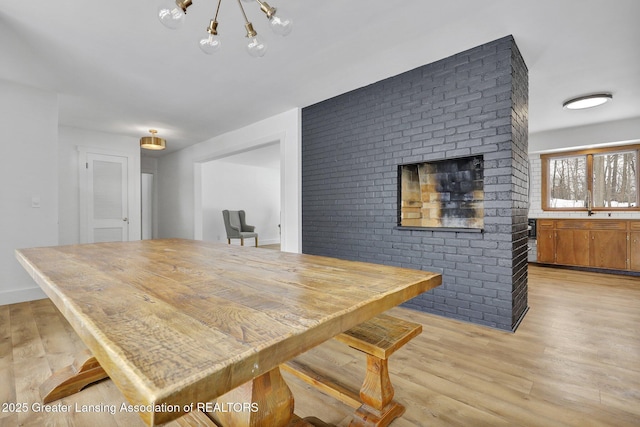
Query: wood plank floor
(574,361)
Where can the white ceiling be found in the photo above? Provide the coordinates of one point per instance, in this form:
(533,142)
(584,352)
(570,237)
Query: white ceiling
(117,69)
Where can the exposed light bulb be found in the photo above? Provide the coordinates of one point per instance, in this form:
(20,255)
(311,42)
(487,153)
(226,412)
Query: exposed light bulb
(171,15)
(281,26)
(210,44)
(256,47)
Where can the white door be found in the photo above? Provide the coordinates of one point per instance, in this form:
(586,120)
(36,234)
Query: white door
(107,198)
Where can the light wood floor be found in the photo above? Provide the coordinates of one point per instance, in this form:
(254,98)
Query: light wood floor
(574,361)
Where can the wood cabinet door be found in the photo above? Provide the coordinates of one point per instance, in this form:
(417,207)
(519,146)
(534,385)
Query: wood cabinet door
(572,247)
(608,249)
(546,245)
(634,254)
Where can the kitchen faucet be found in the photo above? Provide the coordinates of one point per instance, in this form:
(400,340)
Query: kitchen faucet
(589,204)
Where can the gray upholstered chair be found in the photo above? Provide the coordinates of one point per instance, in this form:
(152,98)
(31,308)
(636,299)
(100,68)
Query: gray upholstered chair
(237,228)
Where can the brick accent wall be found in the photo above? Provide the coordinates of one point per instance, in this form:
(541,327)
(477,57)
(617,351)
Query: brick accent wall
(472,103)
(520,183)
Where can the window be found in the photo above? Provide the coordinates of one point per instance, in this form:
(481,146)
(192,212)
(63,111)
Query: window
(614,180)
(568,182)
(603,179)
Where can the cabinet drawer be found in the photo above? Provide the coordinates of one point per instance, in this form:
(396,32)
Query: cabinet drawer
(573,224)
(593,224)
(609,225)
(549,223)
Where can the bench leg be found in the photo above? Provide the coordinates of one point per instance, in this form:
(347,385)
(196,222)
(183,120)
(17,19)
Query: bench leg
(379,408)
(85,370)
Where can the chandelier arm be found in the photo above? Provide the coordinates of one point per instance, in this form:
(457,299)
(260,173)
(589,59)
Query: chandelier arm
(217,10)
(247,25)
(243,13)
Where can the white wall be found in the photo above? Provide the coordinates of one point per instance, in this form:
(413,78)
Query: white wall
(234,186)
(180,177)
(585,136)
(68,177)
(29,142)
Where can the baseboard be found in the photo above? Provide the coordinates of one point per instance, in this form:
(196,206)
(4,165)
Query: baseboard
(269,242)
(588,269)
(21,295)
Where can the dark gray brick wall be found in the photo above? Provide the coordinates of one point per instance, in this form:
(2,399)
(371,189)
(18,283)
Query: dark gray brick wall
(520,166)
(472,103)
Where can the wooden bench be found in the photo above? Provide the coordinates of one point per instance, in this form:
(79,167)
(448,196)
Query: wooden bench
(378,338)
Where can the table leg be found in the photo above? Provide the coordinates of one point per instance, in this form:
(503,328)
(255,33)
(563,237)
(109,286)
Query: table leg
(270,399)
(379,408)
(85,370)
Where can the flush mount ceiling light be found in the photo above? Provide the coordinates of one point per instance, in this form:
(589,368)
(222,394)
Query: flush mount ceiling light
(172,15)
(587,101)
(153,142)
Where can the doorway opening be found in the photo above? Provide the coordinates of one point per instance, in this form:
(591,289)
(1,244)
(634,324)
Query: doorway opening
(248,181)
(146,208)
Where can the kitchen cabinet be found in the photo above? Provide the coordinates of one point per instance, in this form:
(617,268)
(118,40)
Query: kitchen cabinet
(572,247)
(597,243)
(634,246)
(546,241)
(608,249)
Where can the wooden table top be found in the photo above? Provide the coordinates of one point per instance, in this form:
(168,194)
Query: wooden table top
(179,321)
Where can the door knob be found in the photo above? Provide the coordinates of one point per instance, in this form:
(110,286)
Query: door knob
(125,219)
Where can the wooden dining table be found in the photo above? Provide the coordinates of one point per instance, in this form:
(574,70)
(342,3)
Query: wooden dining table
(176,323)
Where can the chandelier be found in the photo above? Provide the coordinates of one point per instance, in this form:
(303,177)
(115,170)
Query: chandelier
(172,15)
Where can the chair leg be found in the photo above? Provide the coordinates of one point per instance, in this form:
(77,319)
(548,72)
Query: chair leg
(241,242)
(256,241)
(229,241)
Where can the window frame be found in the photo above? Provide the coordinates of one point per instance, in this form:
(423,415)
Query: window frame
(589,153)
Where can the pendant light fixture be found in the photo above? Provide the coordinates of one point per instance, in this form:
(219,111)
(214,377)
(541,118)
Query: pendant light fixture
(153,142)
(587,101)
(172,13)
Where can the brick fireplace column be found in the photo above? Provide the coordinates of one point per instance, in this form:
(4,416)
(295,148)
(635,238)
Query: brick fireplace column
(474,103)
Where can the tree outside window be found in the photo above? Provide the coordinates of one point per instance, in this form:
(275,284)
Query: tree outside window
(614,180)
(568,182)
